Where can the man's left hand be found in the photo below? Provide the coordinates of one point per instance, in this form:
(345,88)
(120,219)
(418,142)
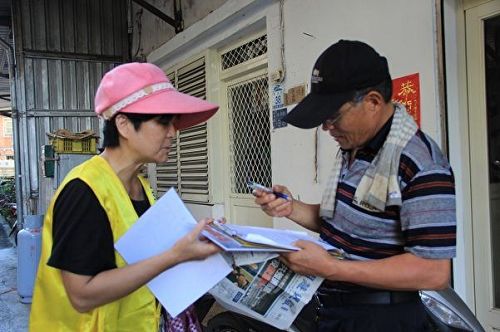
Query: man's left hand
(311,259)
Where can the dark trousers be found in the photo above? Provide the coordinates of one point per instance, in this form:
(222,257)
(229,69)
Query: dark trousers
(394,317)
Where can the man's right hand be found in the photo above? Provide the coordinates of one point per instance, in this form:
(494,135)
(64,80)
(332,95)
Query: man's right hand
(272,205)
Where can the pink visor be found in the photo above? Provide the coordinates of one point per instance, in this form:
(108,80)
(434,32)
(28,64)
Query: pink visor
(143,88)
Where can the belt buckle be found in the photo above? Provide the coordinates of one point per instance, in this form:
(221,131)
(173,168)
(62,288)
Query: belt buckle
(317,305)
(317,301)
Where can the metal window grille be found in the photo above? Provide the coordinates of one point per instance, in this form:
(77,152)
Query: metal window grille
(250,148)
(244,52)
(186,169)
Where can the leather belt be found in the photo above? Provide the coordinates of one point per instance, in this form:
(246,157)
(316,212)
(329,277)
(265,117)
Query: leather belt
(383,297)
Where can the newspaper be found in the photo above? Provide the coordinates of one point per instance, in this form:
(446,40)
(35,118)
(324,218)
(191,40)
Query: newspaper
(265,289)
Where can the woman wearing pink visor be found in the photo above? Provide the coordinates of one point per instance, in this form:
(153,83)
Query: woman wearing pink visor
(82,283)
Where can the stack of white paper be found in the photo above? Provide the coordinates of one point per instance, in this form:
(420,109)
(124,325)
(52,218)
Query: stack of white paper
(156,231)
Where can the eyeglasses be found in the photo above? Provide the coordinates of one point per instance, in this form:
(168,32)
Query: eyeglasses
(338,116)
(333,120)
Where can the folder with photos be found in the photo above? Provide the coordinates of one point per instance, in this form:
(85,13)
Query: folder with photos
(232,237)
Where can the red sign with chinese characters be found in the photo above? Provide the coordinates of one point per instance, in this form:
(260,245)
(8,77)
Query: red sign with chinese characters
(406,91)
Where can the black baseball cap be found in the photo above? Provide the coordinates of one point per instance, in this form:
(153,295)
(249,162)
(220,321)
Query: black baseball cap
(343,68)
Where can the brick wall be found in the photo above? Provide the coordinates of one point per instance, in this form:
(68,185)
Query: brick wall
(6,146)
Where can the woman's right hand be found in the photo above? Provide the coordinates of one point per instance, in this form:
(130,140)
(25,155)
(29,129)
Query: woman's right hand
(192,246)
(272,205)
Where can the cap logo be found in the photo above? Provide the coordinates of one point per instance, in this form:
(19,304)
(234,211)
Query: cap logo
(132,98)
(315,78)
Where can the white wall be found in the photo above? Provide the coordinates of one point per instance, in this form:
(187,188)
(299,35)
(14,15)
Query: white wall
(149,31)
(202,211)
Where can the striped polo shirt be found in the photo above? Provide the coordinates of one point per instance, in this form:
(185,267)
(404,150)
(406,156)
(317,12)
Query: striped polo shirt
(425,224)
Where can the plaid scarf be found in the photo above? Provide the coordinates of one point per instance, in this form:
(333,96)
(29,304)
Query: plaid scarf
(379,186)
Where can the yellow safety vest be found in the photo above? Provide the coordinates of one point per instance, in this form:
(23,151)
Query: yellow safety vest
(51,309)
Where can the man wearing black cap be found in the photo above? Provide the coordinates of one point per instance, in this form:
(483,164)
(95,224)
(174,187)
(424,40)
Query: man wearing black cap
(388,207)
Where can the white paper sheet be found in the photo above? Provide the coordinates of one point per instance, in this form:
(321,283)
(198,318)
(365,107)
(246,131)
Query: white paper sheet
(240,238)
(156,231)
(278,237)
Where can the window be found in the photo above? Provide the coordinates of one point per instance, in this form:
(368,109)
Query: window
(250,139)
(249,116)
(187,167)
(245,52)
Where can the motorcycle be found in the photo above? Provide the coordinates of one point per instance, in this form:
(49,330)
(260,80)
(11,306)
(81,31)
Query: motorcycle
(446,313)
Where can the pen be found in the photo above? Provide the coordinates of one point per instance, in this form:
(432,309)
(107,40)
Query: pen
(255,185)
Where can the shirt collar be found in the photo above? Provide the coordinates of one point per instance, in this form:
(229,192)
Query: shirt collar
(378,140)
(374,145)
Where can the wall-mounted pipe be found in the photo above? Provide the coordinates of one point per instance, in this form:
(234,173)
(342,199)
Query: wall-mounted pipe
(15,128)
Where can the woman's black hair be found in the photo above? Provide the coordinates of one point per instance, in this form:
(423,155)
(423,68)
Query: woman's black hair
(110,132)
